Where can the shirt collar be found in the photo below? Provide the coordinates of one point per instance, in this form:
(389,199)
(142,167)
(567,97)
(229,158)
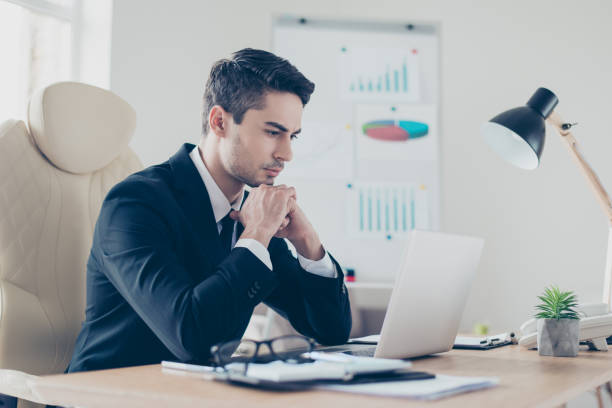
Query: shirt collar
(220,204)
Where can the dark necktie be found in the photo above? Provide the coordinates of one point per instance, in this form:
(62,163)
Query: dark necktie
(227,232)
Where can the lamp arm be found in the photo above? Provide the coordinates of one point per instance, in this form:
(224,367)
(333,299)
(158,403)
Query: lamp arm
(602,196)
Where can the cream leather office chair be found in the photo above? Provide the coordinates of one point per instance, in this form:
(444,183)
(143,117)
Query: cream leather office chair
(53,179)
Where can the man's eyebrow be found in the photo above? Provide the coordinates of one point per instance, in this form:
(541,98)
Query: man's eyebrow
(281,127)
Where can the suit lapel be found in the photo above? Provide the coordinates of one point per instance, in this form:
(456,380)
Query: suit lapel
(193,197)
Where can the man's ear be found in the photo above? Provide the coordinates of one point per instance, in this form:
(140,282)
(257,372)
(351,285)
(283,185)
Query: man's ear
(218,120)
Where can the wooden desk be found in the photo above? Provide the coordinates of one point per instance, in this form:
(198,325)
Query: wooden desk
(526,380)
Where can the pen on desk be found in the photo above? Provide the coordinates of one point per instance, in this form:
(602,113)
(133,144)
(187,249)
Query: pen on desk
(334,358)
(506,337)
(188,367)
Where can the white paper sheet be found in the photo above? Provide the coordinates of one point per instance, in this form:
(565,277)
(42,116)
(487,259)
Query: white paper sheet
(439,387)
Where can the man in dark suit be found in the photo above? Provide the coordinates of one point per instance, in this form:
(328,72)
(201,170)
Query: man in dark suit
(181,254)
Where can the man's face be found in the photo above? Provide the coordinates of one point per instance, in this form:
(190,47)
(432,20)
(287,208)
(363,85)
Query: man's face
(256,150)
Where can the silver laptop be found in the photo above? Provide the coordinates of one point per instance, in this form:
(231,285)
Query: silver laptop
(431,288)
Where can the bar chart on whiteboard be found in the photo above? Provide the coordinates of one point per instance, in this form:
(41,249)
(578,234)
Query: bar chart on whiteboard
(388,208)
(379,74)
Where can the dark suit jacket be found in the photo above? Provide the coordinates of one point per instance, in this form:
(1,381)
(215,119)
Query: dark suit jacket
(157,288)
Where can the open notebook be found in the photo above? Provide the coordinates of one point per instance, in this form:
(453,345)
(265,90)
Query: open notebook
(327,366)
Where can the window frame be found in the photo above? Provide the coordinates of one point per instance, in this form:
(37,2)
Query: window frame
(71,15)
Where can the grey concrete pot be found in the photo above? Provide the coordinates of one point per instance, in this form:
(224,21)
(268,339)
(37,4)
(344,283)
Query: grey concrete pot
(558,338)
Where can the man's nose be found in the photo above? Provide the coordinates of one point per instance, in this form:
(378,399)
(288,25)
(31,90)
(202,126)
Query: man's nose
(284,152)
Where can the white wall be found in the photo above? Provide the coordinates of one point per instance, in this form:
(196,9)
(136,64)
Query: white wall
(542,227)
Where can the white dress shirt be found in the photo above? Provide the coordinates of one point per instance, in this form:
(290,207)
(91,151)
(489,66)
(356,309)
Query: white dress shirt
(221,206)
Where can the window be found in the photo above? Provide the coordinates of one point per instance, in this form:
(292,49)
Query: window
(41,43)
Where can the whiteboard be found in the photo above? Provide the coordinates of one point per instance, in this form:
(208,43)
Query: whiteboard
(366,164)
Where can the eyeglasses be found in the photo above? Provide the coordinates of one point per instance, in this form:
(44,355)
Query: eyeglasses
(284,348)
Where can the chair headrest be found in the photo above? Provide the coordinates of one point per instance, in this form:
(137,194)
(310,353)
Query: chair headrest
(80,128)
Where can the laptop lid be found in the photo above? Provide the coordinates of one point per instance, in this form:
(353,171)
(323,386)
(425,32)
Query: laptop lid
(429,295)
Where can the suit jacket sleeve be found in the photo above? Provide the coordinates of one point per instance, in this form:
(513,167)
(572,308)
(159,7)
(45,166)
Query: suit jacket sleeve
(136,245)
(316,306)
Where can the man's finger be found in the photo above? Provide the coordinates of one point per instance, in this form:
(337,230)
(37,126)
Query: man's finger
(284,224)
(235,215)
(291,203)
(292,192)
(289,190)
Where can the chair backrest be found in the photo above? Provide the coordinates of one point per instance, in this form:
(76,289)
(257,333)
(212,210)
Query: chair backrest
(53,179)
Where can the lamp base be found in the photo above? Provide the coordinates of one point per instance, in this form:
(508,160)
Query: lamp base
(595,325)
(598,344)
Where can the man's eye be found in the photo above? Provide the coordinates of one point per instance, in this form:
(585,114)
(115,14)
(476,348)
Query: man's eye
(294,137)
(273,132)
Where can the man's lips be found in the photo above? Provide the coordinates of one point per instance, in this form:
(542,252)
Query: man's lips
(273,171)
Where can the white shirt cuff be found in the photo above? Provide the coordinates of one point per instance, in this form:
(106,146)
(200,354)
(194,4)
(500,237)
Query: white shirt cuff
(257,248)
(323,267)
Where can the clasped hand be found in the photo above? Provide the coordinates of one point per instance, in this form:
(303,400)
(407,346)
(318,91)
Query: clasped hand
(272,211)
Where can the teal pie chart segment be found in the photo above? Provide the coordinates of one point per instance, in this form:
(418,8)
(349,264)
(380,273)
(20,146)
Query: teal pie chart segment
(395,131)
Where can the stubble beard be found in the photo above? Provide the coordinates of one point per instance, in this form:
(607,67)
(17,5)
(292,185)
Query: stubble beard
(236,166)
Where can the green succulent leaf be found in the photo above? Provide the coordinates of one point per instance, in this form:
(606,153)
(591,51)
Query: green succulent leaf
(557,304)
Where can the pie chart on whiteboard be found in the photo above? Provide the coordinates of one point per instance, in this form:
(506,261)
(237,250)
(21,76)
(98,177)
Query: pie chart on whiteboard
(395,130)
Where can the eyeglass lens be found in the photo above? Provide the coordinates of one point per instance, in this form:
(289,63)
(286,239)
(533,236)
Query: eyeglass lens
(286,347)
(290,346)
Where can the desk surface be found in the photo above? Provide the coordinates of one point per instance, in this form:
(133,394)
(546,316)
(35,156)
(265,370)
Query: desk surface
(526,380)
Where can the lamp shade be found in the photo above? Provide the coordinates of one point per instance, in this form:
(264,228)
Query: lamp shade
(518,134)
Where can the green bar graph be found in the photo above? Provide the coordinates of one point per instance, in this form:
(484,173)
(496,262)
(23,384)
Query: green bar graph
(378,209)
(370,210)
(361,210)
(386,210)
(404,222)
(394,80)
(405,77)
(389,208)
(395,223)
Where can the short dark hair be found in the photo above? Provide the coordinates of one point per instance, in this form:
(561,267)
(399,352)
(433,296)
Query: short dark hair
(241,83)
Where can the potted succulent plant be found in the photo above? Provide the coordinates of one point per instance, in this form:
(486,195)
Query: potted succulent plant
(558,323)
